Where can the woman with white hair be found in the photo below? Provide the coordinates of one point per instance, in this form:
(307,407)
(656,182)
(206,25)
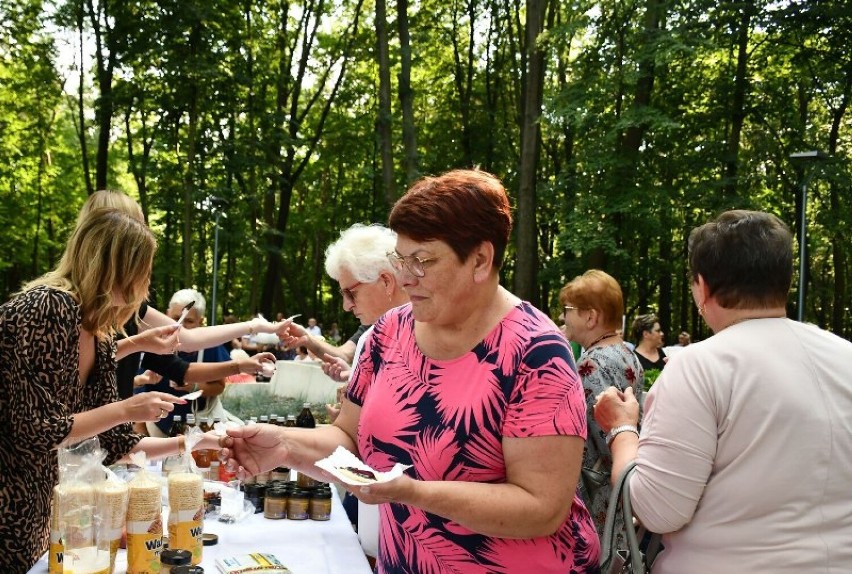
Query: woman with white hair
(369,287)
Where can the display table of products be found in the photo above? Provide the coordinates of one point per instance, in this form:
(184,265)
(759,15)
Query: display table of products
(303,546)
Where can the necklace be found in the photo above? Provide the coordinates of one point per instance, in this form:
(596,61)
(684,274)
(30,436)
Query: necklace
(601,338)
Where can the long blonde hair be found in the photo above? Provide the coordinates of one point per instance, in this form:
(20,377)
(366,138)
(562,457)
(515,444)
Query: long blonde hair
(107,198)
(108,252)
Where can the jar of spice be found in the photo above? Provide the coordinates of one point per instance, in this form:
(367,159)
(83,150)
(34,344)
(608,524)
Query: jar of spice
(320,504)
(172,557)
(275,504)
(297,504)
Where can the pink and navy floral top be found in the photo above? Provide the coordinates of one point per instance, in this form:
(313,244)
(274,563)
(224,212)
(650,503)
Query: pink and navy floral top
(448,418)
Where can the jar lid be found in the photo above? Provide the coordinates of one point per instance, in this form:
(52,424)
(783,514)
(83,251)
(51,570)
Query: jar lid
(209,539)
(188,570)
(175,557)
(321,493)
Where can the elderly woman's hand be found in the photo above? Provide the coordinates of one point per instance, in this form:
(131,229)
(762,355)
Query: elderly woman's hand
(336,368)
(616,408)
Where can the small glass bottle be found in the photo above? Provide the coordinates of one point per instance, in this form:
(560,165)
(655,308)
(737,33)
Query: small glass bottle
(291,421)
(178,426)
(273,419)
(275,504)
(264,419)
(306,417)
(320,504)
(298,504)
(190,421)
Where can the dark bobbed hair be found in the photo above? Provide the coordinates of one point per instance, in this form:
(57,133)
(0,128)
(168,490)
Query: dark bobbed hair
(745,257)
(641,324)
(596,289)
(462,208)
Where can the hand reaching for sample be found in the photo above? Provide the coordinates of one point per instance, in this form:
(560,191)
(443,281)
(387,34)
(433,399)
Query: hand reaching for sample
(616,408)
(157,340)
(295,336)
(253,449)
(150,407)
(149,377)
(336,368)
(259,364)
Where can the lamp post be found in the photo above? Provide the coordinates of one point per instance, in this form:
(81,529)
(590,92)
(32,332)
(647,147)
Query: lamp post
(218,204)
(808,158)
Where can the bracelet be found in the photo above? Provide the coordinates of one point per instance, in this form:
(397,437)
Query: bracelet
(252,330)
(614,432)
(181,439)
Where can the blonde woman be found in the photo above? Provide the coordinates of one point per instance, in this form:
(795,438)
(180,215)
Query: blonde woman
(57,373)
(155,330)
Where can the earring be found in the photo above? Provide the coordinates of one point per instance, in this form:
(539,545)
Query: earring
(701,309)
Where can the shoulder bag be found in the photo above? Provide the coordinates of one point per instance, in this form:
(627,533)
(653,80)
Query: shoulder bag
(626,557)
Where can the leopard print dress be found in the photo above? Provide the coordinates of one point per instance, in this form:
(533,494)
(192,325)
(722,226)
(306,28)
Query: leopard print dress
(40,392)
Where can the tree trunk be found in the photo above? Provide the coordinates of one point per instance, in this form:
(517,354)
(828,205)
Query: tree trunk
(105,63)
(383,121)
(81,109)
(406,96)
(526,268)
(738,114)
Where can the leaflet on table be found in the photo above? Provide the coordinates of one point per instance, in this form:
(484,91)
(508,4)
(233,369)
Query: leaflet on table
(254,562)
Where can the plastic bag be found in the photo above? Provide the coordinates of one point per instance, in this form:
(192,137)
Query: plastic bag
(186,501)
(86,548)
(144,520)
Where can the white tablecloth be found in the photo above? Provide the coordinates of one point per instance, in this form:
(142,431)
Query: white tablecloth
(304,546)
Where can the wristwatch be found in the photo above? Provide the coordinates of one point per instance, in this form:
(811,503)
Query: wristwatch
(615,431)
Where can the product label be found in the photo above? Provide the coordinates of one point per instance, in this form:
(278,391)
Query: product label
(54,564)
(144,547)
(185,532)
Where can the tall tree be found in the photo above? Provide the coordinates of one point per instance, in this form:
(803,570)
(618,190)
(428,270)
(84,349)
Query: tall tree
(526,235)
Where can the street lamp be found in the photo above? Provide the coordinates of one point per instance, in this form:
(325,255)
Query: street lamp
(807,158)
(218,205)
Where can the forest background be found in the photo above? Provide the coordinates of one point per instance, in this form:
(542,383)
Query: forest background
(617,126)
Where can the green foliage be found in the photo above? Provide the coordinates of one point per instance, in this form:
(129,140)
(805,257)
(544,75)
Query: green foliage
(272,107)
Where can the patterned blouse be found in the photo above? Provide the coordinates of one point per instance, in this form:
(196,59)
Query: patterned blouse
(601,368)
(448,418)
(40,392)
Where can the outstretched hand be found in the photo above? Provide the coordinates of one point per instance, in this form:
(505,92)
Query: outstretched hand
(336,368)
(157,340)
(252,449)
(151,406)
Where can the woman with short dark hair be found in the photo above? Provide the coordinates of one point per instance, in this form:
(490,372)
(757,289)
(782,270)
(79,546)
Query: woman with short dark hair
(649,339)
(745,456)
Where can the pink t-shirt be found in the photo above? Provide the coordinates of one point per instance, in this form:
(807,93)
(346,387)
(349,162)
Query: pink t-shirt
(448,418)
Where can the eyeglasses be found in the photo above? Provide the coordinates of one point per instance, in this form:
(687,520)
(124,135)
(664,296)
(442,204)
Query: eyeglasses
(567,308)
(349,293)
(412,263)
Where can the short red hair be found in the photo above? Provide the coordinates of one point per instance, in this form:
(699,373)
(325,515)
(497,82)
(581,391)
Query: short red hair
(462,208)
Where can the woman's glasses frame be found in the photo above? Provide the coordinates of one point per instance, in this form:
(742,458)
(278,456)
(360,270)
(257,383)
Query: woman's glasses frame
(410,263)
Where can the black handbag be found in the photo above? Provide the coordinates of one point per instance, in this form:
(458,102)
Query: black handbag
(626,558)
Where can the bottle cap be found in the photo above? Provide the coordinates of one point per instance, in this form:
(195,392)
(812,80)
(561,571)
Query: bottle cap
(175,557)
(209,539)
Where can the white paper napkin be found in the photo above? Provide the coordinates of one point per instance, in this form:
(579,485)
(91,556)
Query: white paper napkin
(342,458)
